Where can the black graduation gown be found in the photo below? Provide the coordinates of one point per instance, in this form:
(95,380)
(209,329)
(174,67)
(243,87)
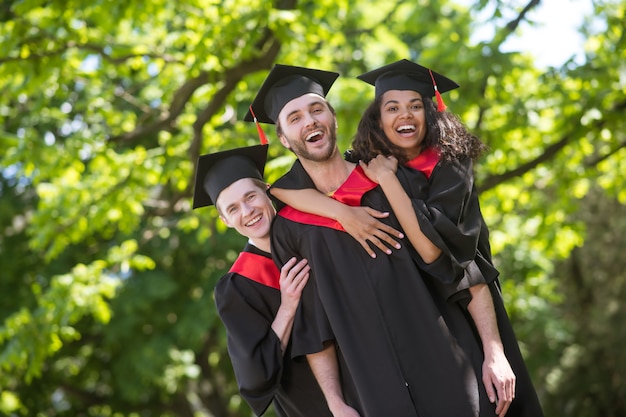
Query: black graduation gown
(395,343)
(247,299)
(451,218)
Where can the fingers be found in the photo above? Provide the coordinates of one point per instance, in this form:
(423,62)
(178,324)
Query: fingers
(365,245)
(294,275)
(383,243)
(382,226)
(375,213)
(380,245)
(505,408)
(287,266)
(380,240)
(491,392)
(505,395)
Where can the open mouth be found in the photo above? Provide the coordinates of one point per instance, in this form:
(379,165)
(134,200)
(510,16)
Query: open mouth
(406,129)
(254,220)
(314,136)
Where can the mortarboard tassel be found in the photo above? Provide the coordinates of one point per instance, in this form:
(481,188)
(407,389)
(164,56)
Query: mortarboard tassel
(259,128)
(441,106)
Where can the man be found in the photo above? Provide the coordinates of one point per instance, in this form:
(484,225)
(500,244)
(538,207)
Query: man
(255,300)
(379,312)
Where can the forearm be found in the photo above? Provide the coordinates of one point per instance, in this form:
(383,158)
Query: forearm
(283,324)
(483,313)
(311,201)
(325,368)
(403,209)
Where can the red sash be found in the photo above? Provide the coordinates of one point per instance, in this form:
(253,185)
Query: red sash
(425,161)
(257,268)
(349,193)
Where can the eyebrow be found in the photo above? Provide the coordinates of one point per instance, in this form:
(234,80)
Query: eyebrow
(246,195)
(397,102)
(309,105)
(292,113)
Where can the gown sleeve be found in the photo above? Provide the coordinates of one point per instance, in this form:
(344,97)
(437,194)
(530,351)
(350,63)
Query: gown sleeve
(253,346)
(450,217)
(311,327)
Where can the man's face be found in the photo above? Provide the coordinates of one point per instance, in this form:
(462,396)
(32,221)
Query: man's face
(247,208)
(309,128)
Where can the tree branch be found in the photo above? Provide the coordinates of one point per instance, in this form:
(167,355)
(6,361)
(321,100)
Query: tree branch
(99,49)
(595,161)
(263,61)
(513,24)
(550,152)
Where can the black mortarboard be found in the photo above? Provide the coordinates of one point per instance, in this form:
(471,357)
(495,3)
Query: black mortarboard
(283,84)
(407,75)
(218,170)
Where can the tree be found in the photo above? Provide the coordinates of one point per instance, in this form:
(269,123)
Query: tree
(107,273)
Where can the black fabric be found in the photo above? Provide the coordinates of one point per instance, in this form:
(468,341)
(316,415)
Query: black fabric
(451,218)
(216,171)
(396,344)
(407,75)
(285,83)
(247,309)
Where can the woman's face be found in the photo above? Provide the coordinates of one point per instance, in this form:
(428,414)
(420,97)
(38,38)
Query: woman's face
(403,119)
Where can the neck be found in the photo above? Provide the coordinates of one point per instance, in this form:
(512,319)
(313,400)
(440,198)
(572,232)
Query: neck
(328,175)
(262,243)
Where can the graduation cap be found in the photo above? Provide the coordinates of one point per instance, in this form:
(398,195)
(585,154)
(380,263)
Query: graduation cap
(216,171)
(283,84)
(407,75)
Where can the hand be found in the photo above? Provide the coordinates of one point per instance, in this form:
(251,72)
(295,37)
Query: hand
(293,278)
(344,410)
(377,168)
(361,223)
(497,373)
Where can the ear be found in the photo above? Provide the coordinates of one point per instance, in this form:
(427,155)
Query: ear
(284,142)
(226,222)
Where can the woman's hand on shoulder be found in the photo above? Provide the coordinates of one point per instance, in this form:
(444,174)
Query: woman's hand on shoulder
(379,168)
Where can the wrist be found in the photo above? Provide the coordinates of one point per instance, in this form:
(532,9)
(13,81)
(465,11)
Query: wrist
(493,349)
(287,307)
(335,404)
(386,178)
(341,213)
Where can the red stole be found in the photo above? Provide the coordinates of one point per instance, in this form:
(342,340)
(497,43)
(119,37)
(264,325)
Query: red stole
(257,268)
(349,193)
(425,162)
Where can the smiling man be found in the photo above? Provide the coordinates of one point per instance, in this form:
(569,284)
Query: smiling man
(255,300)
(377,311)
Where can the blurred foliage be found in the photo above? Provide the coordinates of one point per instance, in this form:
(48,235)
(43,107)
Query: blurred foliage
(107,275)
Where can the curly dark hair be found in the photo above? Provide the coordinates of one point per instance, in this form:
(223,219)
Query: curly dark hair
(444,132)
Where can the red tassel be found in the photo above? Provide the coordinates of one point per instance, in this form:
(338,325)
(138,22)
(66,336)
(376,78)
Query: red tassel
(441,106)
(258,128)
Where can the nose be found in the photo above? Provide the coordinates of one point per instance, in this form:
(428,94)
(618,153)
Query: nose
(406,113)
(246,209)
(309,120)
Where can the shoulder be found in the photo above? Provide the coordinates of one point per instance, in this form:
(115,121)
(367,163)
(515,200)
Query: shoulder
(296,178)
(460,167)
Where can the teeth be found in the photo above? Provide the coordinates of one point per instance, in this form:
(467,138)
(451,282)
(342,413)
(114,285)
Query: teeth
(254,221)
(405,128)
(313,134)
